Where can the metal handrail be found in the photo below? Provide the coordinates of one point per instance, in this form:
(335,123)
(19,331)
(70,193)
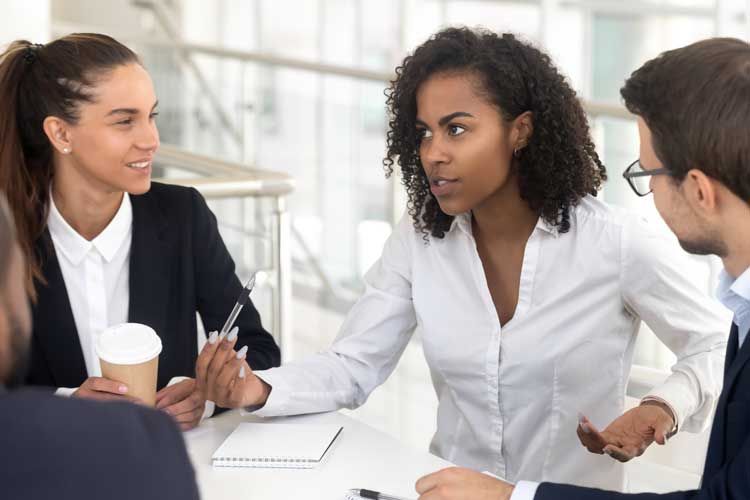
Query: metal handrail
(224,179)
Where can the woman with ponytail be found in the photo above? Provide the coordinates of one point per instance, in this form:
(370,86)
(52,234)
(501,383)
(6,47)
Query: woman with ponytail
(103,244)
(528,291)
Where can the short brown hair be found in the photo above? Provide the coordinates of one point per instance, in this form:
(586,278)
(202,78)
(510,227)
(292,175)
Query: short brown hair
(696,102)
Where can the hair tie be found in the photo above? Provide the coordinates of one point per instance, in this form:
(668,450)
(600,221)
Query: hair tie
(31,51)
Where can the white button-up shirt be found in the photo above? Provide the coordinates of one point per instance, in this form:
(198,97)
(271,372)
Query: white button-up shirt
(508,397)
(96,275)
(735,294)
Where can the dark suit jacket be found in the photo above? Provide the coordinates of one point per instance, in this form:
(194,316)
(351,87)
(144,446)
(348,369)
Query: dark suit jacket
(178,265)
(726,475)
(68,448)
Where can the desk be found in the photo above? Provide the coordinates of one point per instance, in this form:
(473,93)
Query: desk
(361,457)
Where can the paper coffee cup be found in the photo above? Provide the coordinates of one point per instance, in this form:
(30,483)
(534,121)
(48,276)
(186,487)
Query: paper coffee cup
(129,353)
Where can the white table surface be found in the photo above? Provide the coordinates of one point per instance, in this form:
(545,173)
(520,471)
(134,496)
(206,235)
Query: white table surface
(361,457)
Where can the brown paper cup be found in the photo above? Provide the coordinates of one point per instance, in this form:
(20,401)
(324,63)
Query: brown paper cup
(129,353)
(140,378)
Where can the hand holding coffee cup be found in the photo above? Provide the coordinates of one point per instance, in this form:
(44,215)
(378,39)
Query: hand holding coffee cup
(104,389)
(129,354)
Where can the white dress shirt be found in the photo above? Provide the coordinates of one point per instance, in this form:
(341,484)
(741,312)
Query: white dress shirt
(96,275)
(508,397)
(735,294)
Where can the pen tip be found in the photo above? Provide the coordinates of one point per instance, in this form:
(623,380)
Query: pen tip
(251,282)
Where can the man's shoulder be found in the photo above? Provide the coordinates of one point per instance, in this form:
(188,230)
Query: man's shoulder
(83,446)
(35,407)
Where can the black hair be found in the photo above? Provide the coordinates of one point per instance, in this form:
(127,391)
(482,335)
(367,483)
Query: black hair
(557,168)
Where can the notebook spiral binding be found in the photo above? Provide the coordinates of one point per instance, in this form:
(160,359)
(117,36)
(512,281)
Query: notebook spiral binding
(291,462)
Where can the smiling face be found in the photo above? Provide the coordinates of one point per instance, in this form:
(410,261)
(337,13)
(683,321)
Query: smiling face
(113,143)
(466,146)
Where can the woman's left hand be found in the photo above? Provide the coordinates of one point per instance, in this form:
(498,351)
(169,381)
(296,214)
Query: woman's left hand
(628,436)
(184,402)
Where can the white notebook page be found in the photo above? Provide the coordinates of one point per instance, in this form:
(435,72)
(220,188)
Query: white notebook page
(276,445)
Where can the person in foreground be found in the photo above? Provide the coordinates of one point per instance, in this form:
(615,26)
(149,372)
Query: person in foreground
(56,447)
(692,106)
(528,291)
(103,244)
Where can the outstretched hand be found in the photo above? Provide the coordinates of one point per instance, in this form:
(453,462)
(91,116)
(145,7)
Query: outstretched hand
(630,434)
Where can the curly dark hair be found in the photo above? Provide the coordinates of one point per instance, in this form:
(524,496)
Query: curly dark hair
(557,168)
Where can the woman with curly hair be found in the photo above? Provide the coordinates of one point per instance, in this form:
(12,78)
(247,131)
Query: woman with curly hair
(527,291)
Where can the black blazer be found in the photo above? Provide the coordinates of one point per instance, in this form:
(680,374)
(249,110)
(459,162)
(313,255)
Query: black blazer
(178,265)
(69,448)
(726,475)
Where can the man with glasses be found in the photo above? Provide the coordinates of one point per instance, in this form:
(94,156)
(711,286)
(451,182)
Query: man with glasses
(693,111)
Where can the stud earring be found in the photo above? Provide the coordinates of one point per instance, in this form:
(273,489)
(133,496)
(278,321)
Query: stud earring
(66,150)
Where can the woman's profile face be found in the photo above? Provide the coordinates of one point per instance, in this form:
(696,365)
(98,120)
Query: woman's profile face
(114,141)
(465,146)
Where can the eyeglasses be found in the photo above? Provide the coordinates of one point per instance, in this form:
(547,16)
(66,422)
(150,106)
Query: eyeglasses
(638,177)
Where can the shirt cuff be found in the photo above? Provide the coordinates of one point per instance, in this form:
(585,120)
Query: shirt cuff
(65,391)
(277,400)
(671,409)
(524,490)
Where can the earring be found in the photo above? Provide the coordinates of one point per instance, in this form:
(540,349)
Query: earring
(517,153)
(66,150)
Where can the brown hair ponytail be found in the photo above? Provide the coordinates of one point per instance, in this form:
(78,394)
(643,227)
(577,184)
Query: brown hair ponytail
(37,81)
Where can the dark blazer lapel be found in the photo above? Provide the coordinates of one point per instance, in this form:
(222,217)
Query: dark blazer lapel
(54,325)
(739,361)
(734,361)
(150,264)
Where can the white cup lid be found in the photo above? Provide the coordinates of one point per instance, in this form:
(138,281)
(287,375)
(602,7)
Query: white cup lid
(128,344)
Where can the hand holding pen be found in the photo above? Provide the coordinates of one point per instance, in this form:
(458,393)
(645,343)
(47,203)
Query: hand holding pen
(222,373)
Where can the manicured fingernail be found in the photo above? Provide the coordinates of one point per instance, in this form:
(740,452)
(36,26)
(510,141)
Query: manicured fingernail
(241,353)
(233,334)
(123,389)
(242,372)
(213,338)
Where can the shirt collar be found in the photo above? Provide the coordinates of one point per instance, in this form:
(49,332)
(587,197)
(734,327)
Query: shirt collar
(734,293)
(463,221)
(75,247)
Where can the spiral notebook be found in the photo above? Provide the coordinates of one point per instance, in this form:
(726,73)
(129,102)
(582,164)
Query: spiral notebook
(287,446)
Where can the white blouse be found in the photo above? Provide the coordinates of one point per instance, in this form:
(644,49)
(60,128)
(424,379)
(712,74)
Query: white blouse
(508,397)
(96,275)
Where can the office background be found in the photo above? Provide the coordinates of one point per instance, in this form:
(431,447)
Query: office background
(295,87)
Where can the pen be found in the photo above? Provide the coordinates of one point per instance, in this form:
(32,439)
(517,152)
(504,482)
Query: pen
(241,301)
(375,495)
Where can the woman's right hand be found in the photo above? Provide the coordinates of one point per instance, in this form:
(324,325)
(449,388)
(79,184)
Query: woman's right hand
(225,377)
(104,389)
